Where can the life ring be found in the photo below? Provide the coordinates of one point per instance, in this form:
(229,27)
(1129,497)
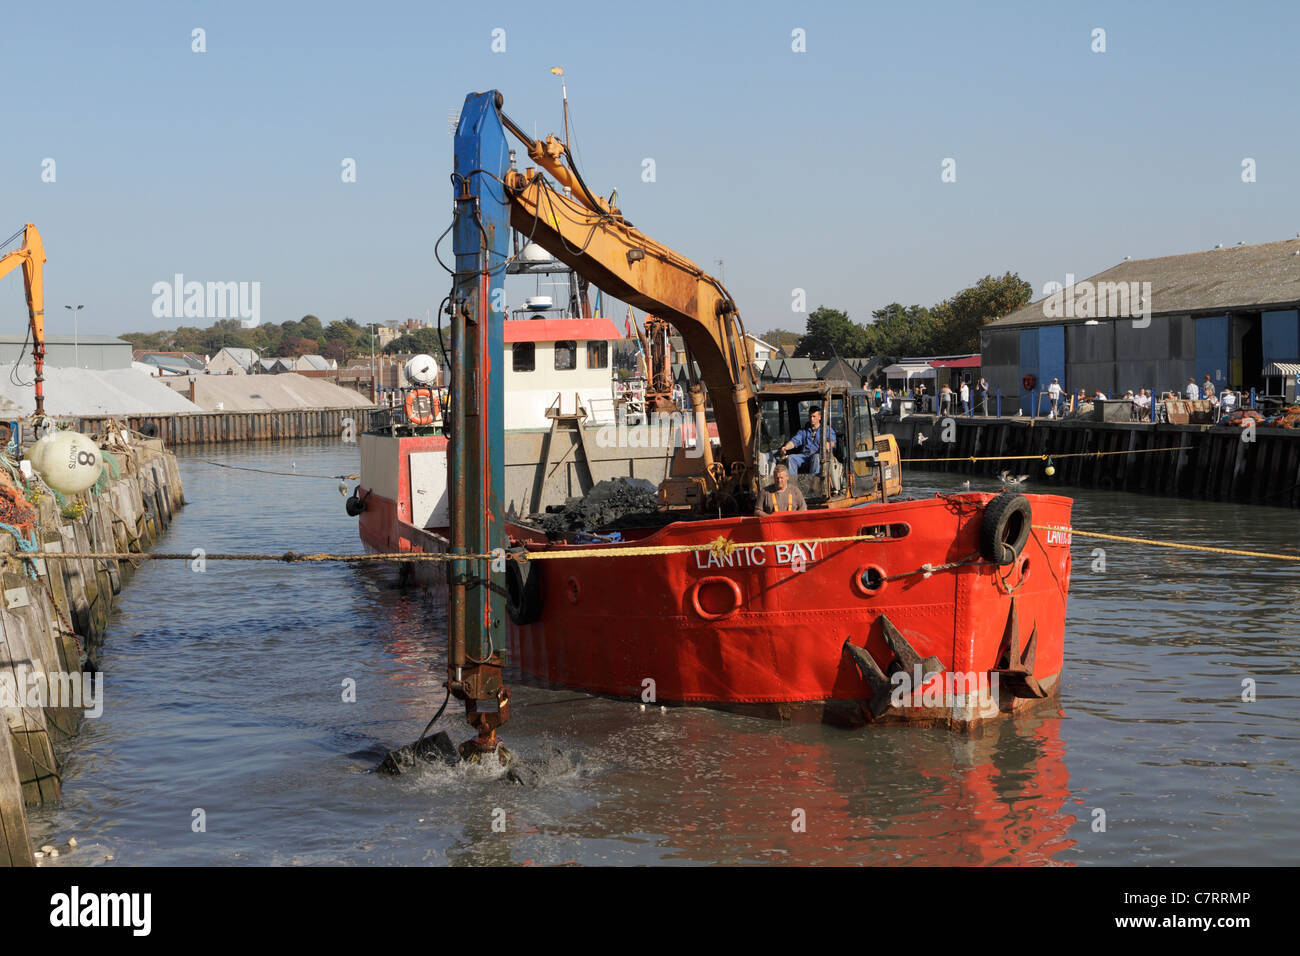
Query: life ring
(422,406)
(523,590)
(730,594)
(1004,530)
(1029,382)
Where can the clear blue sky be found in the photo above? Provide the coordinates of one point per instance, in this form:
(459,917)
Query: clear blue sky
(817,170)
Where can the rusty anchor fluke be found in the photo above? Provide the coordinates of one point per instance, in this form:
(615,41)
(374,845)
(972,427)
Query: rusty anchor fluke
(1015,668)
(906,659)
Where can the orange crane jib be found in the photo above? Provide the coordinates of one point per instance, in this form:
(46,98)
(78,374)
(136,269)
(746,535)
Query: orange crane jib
(31,256)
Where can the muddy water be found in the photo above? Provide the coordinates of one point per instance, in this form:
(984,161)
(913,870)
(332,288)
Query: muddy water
(224,703)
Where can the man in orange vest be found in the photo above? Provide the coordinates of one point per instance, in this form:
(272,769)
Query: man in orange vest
(780,495)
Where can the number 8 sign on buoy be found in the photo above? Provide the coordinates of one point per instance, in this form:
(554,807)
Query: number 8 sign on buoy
(68,461)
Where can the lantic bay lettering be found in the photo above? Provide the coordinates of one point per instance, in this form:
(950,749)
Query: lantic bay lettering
(755,556)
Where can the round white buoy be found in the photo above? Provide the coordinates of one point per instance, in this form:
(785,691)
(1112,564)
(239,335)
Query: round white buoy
(36,450)
(421,370)
(68,461)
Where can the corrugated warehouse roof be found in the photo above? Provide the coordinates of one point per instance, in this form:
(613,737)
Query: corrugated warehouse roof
(16,339)
(286,391)
(83,391)
(1238,277)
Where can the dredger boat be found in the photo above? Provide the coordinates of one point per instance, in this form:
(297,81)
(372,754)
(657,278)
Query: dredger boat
(866,607)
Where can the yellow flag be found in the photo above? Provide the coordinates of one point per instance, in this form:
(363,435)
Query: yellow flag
(558,70)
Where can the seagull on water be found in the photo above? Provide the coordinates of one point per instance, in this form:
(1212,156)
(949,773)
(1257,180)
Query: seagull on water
(1010,479)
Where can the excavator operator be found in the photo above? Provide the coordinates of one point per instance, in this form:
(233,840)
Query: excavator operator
(807,443)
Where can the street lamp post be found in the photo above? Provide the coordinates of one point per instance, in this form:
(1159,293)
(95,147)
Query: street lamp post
(76,354)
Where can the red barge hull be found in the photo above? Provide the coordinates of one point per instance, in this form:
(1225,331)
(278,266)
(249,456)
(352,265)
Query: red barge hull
(777,621)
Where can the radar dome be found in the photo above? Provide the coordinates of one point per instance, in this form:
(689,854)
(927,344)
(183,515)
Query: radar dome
(421,370)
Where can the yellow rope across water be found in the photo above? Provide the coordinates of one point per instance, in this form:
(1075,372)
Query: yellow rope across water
(720,546)
(1181,545)
(1044,457)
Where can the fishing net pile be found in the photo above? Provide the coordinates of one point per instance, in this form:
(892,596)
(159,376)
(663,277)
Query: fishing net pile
(15,510)
(1287,418)
(616,503)
(1242,417)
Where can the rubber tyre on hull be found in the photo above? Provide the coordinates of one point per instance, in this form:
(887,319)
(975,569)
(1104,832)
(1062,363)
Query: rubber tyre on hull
(1004,530)
(523,591)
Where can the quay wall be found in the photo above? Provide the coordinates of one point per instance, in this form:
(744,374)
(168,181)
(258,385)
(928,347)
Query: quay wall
(197,428)
(54,623)
(1216,464)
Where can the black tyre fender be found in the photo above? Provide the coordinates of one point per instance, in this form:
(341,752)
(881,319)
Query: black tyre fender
(1004,530)
(354,505)
(523,590)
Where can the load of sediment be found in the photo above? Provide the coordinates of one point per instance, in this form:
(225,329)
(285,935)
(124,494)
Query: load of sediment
(55,612)
(615,504)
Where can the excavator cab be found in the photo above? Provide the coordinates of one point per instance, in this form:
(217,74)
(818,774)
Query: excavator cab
(854,470)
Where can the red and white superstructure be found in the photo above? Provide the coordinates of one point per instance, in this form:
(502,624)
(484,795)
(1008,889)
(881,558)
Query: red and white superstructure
(555,364)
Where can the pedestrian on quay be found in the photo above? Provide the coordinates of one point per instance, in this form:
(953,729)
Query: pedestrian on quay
(1143,405)
(1193,393)
(965,397)
(1207,388)
(1054,393)
(984,397)
(1227,403)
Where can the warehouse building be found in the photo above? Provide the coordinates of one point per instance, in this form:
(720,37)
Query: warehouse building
(1232,314)
(96,352)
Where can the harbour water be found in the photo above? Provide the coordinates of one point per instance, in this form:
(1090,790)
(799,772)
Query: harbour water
(224,704)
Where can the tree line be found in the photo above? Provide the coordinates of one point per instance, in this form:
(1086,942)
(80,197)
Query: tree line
(340,340)
(950,327)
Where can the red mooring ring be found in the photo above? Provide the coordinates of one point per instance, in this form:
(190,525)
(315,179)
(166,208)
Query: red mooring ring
(861,588)
(715,615)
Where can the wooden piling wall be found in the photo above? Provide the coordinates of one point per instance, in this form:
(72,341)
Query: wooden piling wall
(197,428)
(54,624)
(1214,464)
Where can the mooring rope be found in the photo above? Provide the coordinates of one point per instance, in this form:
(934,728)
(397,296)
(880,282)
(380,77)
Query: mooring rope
(1053,455)
(1182,545)
(719,546)
(288,474)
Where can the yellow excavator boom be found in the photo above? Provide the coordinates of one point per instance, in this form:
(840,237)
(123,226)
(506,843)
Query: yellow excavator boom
(31,256)
(590,235)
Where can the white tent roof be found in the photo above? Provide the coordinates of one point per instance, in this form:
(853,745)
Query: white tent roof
(909,371)
(83,391)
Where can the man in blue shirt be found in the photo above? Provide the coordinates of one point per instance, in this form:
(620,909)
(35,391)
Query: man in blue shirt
(807,445)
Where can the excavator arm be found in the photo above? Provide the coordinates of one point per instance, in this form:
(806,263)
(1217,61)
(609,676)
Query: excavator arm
(590,235)
(31,256)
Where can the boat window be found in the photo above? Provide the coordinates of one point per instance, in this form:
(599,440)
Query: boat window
(837,424)
(566,355)
(771,432)
(523,356)
(862,467)
(597,355)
